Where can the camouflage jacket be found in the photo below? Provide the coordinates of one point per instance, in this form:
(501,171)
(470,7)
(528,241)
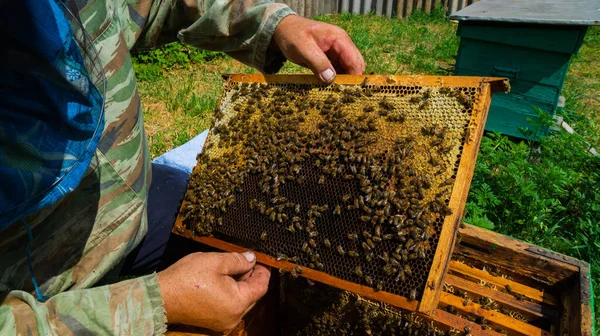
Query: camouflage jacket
(79,239)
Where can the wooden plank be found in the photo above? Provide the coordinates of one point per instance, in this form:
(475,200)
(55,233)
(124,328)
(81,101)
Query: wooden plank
(459,324)
(409,8)
(399,8)
(496,83)
(459,268)
(528,308)
(389,8)
(428,4)
(345,6)
(453,6)
(418,5)
(506,252)
(585,301)
(460,191)
(504,321)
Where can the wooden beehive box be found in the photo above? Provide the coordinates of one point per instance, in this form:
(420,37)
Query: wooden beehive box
(360,184)
(529,42)
(550,294)
(496,285)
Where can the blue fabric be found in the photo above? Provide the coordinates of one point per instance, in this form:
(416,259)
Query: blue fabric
(184,156)
(51,114)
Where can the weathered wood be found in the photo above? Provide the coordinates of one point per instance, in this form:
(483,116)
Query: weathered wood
(460,191)
(389,8)
(584,308)
(428,6)
(508,253)
(459,323)
(513,326)
(409,8)
(453,6)
(532,309)
(399,8)
(463,270)
(418,5)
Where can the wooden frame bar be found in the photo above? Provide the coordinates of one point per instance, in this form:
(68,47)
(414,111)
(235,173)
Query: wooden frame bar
(435,279)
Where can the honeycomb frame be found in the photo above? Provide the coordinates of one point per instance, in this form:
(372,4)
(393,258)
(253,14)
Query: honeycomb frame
(412,91)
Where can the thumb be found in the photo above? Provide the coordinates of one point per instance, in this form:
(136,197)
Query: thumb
(237,263)
(316,60)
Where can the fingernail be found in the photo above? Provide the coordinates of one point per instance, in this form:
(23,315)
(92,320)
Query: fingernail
(327,75)
(249,256)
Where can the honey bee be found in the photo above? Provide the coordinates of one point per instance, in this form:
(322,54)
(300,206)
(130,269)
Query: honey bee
(352,236)
(321,179)
(427,94)
(400,276)
(424,104)
(413,294)
(464,99)
(369,280)
(340,250)
(353,253)
(263,236)
(296,271)
(312,243)
(358,271)
(282,256)
(379,286)
(327,243)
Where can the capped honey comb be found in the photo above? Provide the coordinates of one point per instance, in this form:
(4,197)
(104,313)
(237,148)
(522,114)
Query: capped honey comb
(353,181)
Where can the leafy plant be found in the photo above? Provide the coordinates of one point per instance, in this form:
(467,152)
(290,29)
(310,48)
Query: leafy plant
(544,190)
(151,64)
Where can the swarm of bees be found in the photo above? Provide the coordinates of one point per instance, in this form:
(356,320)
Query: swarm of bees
(343,179)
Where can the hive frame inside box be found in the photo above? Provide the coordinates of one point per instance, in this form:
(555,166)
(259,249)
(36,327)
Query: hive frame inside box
(435,279)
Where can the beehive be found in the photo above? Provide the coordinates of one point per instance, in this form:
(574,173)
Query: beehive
(496,286)
(359,184)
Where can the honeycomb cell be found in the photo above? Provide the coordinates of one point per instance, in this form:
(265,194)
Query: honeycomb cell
(288,166)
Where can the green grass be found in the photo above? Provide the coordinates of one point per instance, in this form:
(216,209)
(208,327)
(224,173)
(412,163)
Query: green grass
(546,191)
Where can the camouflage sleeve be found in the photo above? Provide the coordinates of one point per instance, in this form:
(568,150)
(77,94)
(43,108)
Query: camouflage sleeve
(240,28)
(131,307)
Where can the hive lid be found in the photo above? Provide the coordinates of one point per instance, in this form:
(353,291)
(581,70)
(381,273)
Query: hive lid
(552,12)
(360,184)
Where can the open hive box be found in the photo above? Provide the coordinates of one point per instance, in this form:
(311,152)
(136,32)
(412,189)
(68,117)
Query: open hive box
(496,285)
(359,185)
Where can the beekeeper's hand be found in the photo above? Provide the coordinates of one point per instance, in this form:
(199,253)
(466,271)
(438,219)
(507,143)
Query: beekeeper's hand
(212,290)
(325,49)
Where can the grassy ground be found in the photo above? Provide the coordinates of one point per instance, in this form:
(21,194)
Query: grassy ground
(550,197)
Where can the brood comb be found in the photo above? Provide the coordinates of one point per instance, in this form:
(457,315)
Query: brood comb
(360,184)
